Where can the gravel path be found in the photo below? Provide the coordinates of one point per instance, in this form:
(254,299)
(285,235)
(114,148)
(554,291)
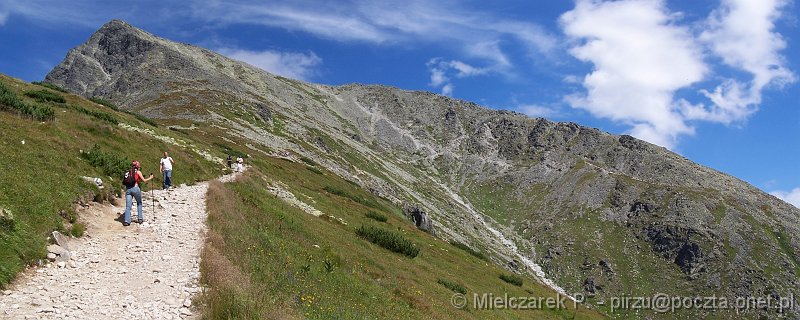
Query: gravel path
(143,271)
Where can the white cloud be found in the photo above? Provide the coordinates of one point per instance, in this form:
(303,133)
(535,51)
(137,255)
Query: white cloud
(641,59)
(83,13)
(643,55)
(475,34)
(288,64)
(437,77)
(325,20)
(740,32)
(442,72)
(447,90)
(489,50)
(792,197)
(534,110)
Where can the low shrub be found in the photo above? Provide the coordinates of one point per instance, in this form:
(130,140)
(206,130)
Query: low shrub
(512,279)
(77,229)
(314,170)
(389,240)
(455,287)
(104,102)
(111,163)
(9,101)
(362,200)
(45,96)
(178,130)
(145,119)
(469,250)
(50,86)
(376,216)
(103,116)
(308,161)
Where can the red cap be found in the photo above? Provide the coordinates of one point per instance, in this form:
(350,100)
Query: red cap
(136,164)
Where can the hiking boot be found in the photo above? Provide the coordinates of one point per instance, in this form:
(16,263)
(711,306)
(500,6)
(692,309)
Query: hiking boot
(126,224)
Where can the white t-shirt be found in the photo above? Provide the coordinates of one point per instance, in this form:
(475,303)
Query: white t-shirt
(166,163)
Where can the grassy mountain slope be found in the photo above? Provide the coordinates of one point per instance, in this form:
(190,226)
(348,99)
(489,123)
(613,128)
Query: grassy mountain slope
(266,259)
(260,259)
(41,166)
(603,215)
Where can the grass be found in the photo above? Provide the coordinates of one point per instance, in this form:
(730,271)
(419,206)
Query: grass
(50,181)
(389,240)
(376,216)
(468,249)
(355,197)
(785,244)
(511,279)
(114,107)
(9,101)
(455,287)
(265,259)
(77,229)
(228,150)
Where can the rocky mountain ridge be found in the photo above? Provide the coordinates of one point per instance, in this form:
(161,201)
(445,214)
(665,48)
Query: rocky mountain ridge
(603,215)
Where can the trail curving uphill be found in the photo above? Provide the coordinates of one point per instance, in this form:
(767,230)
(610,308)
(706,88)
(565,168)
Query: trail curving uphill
(143,271)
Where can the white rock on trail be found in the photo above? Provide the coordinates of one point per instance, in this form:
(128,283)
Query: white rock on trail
(120,272)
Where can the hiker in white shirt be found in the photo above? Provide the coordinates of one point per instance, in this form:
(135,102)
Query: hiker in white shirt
(166,169)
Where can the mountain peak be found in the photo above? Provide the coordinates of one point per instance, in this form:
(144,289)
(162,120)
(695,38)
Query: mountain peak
(117,23)
(118,27)
(113,56)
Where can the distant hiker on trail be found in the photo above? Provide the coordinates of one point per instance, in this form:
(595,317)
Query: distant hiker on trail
(131,180)
(166,169)
(239,164)
(230,160)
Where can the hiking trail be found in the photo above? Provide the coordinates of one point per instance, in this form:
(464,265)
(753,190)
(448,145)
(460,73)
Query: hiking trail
(143,271)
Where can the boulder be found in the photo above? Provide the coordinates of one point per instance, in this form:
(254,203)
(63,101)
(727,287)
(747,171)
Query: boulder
(420,219)
(61,254)
(591,286)
(642,207)
(96,181)
(513,265)
(6,219)
(61,240)
(606,268)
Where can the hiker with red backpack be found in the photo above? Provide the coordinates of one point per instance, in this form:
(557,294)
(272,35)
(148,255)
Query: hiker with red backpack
(131,180)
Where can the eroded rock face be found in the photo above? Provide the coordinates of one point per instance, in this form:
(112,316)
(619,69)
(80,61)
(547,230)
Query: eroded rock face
(675,244)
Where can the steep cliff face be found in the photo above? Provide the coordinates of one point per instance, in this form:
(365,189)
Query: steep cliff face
(603,215)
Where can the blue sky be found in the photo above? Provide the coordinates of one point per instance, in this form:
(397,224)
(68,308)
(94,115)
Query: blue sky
(714,80)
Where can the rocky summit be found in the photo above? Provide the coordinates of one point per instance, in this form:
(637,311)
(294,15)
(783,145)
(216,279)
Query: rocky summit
(592,214)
